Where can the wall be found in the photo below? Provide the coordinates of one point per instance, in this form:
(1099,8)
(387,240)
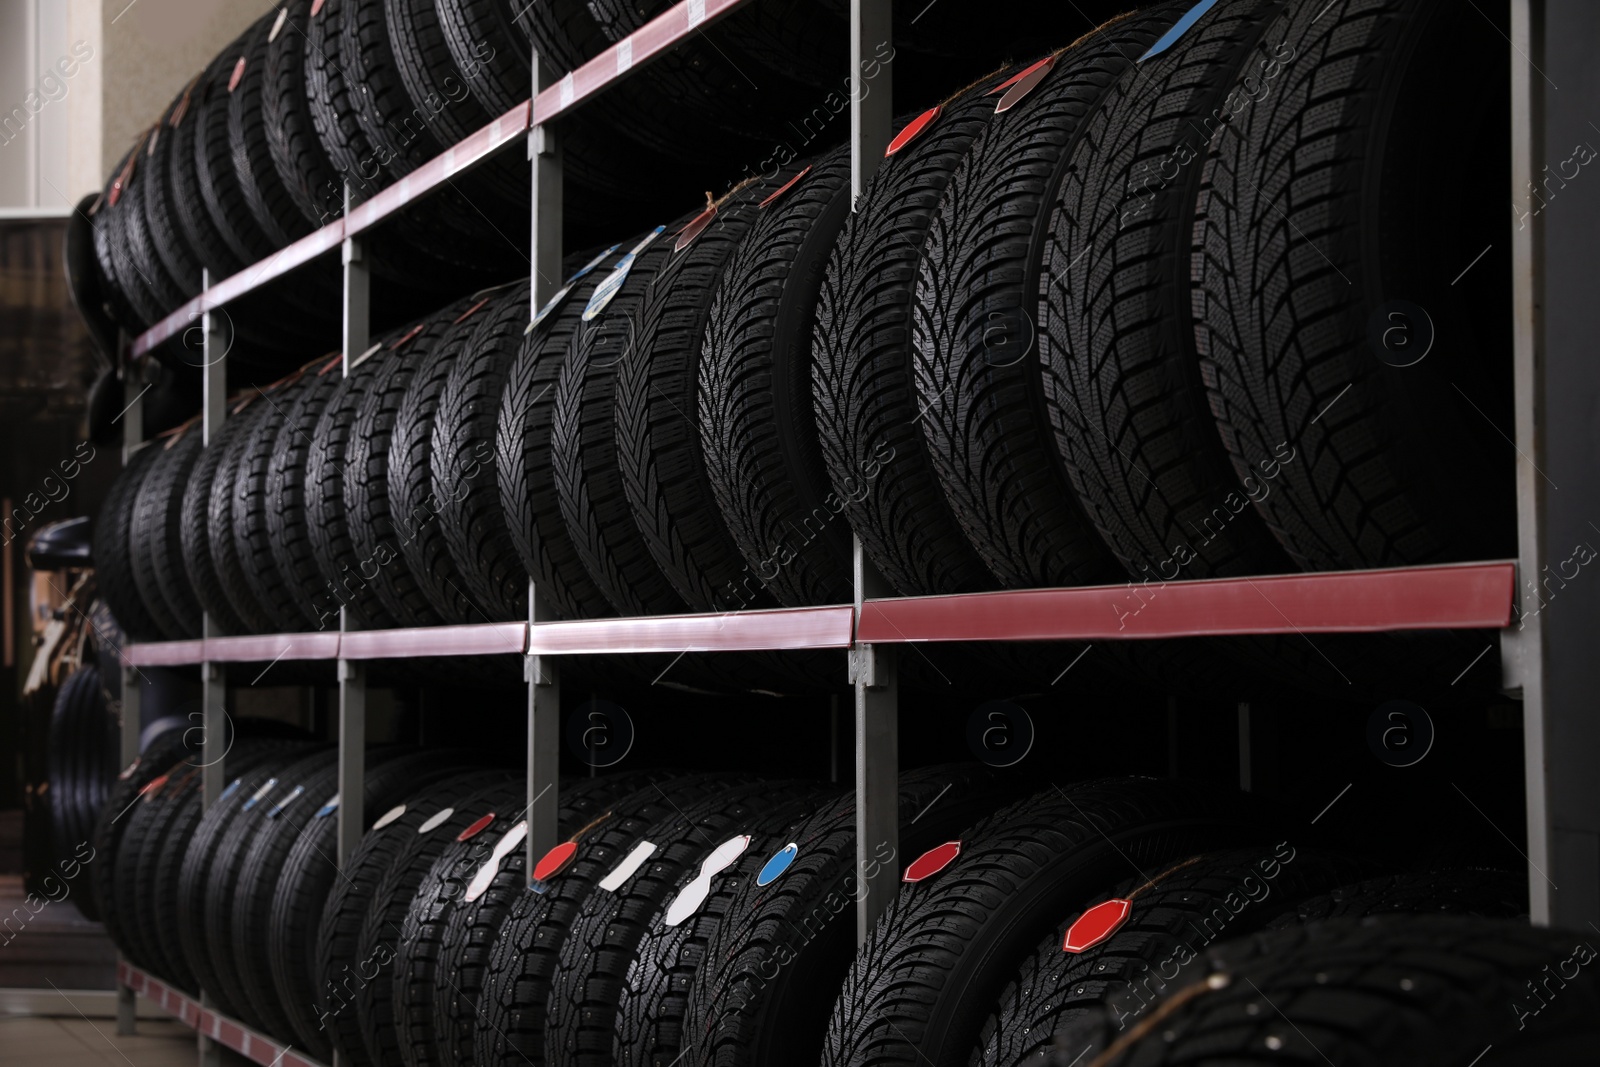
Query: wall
(61,133)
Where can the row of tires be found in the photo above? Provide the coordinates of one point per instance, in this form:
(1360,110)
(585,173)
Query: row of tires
(997,371)
(316,95)
(709,919)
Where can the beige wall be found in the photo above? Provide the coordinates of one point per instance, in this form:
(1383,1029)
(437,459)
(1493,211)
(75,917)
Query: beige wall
(68,131)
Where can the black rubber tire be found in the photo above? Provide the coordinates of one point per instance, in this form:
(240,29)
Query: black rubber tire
(156,533)
(252,525)
(115,285)
(330,90)
(333,550)
(658,442)
(520,964)
(142,848)
(218,896)
(220,833)
(1479,891)
(602,939)
(109,826)
(160,209)
(423,971)
(463,462)
(945,948)
(976,366)
(195,538)
(158,292)
(250,142)
(289,530)
(715,1012)
(524,463)
(196,224)
(381,934)
(233,565)
(220,189)
(583,447)
(430,78)
(413,508)
(371,523)
(310,872)
(1121,383)
(249,907)
(1175,915)
(123,921)
(864,395)
(1400,472)
(112,549)
(1440,985)
(758,431)
(82,766)
(342,970)
(303,166)
(161,894)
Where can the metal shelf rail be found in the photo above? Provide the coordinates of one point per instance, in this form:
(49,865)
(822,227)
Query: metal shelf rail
(1553,399)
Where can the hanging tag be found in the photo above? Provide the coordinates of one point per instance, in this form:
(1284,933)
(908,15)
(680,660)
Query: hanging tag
(436,820)
(697,892)
(389,816)
(932,862)
(238,75)
(277,26)
(912,130)
(1096,924)
(696,225)
(1025,84)
(561,295)
(606,290)
(1179,28)
(476,828)
(485,877)
(363,357)
(790,184)
(779,863)
(628,867)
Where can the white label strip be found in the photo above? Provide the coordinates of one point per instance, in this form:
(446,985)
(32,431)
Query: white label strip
(255,797)
(697,12)
(624,54)
(389,816)
(436,821)
(567,90)
(628,867)
(485,876)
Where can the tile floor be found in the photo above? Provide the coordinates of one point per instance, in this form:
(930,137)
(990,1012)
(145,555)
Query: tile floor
(26,1041)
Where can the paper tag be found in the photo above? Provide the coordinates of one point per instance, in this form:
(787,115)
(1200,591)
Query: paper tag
(561,295)
(485,877)
(329,808)
(238,74)
(607,290)
(435,821)
(255,798)
(627,868)
(363,357)
(389,816)
(277,809)
(1179,28)
(277,26)
(779,863)
(695,894)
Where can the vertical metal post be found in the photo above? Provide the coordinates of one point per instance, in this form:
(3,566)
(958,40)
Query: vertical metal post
(544,740)
(543,672)
(1548,653)
(871,112)
(352,674)
(213,676)
(872,670)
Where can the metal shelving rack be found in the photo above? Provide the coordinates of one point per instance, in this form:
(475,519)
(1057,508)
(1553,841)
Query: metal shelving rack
(1546,657)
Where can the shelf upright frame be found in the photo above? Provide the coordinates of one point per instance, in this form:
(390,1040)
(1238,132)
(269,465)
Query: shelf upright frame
(543,672)
(132,696)
(1548,655)
(872,667)
(213,675)
(352,674)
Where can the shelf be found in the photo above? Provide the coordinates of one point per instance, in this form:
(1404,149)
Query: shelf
(1455,596)
(656,36)
(227,1032)
(1467,596)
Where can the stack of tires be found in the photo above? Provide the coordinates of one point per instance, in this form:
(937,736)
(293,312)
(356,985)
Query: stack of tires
(1082,327)
(710,919)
